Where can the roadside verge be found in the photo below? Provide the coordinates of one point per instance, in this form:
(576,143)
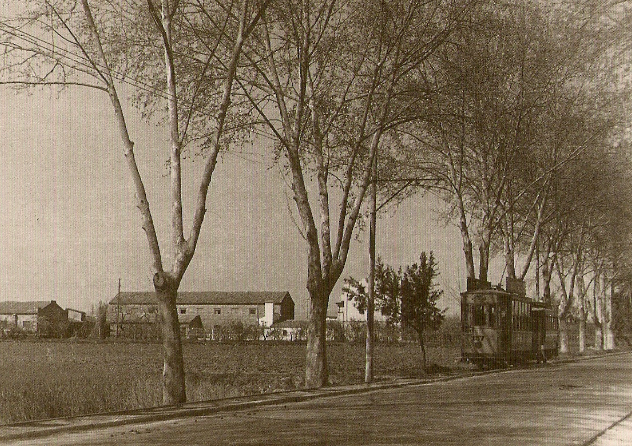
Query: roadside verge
(44,428)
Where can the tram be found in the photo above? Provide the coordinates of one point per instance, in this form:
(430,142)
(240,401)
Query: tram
(502,327)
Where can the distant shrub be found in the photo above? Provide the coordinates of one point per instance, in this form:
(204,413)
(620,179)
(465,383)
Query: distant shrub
(101,328)
(47,328)
(448,335)
(355,331)
(14,332)
(82,329)
(336,331)
(252,332)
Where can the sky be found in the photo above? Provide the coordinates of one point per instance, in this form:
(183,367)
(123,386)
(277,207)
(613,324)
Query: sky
(71,229)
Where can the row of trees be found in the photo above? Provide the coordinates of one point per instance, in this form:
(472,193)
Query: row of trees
(527,141)
(501,108)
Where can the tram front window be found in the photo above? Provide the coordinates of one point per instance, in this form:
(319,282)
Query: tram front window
(485,315)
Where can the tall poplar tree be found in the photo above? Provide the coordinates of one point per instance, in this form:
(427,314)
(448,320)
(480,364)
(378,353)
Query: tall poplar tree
(104,44)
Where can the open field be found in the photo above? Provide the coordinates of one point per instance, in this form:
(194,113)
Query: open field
(44,379)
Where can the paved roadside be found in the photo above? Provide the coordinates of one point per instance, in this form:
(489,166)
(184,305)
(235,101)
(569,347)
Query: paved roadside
(44,428)
(49,430)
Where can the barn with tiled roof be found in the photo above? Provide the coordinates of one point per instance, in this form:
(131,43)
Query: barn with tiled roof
(133,313)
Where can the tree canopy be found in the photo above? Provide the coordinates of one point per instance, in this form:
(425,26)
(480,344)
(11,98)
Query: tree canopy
(408,298)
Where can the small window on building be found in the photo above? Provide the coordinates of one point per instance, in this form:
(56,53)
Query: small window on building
(253,311)
(218,311)
(183,311)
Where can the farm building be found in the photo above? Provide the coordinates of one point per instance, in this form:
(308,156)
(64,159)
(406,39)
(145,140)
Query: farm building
(133,314)
(52,321)
(76,315)
(348,310)
(79,324)
(45,318)
(290,330)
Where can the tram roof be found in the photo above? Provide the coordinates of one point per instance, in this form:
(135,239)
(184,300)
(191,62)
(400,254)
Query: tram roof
(515,296)
(496,291)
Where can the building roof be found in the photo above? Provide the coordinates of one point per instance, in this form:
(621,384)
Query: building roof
(76,311)
(30,307)
(204,298)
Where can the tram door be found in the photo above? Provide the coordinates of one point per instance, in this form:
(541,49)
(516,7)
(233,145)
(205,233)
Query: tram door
(504,327)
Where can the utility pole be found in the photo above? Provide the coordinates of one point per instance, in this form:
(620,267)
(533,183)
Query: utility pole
(370,308)
(118,307)
(537,269)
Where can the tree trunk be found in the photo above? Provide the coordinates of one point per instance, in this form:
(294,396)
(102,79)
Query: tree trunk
(483,260)
(598,337)
(546,279)
(316,373)
(510,263)
(173,385)
(467,242)
(423,347)
(563,335)
(581,291)
(598,319)
(534,247)
(608,335)
(582,331)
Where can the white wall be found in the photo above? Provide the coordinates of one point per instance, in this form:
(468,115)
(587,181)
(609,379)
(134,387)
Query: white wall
(348,311)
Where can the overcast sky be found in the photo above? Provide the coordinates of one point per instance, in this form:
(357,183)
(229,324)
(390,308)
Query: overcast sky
(71,229)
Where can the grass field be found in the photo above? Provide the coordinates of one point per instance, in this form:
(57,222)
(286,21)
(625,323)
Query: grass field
(44,379)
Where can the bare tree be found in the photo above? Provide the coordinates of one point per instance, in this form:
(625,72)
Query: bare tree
(327,79)
(502,90)
(88,47)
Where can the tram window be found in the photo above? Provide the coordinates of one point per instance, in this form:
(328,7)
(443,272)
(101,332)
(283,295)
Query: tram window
(492,315)
(479,315)
(514,319)
(515,314)
(469,315)
(521,316)
(485,315)
(527,319)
